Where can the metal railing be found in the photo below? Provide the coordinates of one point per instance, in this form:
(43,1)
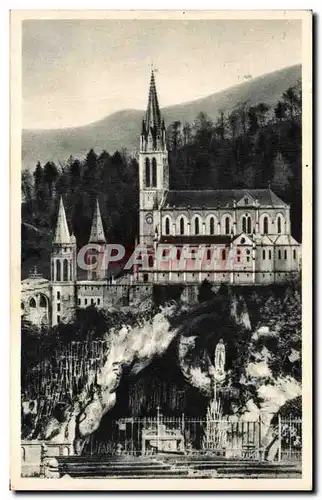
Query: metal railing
(230,439)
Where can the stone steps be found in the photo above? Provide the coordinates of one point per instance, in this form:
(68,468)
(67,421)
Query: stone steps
(172,467)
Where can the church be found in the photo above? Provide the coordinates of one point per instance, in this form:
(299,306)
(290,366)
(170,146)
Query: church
(237,236)
(246,233)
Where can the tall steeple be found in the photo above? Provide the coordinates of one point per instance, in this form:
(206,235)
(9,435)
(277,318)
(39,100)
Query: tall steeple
(97,230)
(153,167)
(153,115)
(62,233)
(153,130)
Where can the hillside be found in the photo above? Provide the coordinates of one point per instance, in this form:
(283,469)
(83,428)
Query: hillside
(121,129)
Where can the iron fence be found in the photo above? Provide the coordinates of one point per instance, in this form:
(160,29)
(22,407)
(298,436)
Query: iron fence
(226,438)
(290,439)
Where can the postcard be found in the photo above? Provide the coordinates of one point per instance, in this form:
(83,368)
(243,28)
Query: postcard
(161,250)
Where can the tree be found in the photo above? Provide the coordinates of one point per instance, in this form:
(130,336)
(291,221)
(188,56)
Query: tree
(282,175)
(90,169)
(233,123)
(186,133)
(283,314)
(220,126)
(292,101)
(174,137)
(26,186)
(50,177)
(38,179)
(280,111)
(204,128)
(261,111)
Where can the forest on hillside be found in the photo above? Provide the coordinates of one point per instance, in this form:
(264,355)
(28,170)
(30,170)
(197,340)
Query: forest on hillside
(252,147)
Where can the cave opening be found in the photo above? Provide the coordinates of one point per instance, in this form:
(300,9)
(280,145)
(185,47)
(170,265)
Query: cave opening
(159,386)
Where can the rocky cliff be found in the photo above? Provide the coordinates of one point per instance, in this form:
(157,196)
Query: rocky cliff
(173,350)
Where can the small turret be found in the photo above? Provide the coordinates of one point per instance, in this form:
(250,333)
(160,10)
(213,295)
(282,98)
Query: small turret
(97,236)
(62,233)
(97,231)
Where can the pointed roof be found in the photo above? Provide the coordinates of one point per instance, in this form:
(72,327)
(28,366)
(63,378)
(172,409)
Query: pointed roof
(247,239)
(153,121)
(62,233)
(97,231)
(285,239)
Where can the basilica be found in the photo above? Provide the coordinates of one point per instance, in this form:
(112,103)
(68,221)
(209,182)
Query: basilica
(245,236)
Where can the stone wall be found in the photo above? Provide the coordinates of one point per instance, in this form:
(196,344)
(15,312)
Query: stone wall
(31,455)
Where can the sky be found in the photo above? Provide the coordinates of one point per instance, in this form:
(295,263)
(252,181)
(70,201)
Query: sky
(75,72)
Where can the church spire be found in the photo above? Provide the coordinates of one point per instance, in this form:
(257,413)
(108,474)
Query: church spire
(153,115)
(62,233)
(97,231)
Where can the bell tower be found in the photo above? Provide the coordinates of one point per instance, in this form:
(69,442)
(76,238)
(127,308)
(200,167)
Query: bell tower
(63,270)
(153,167)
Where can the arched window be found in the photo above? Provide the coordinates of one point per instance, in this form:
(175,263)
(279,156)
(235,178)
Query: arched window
(212,225)
(167,226)
(147,173)
(227,225)
(42,301)
(265,225)
(151,261)
(285,254)
(65,270)
(279,254)
(223,254)
(182,225)
(58,270)
(154,172)
(279,225)
(264,255)
(22,305)
(32,302)
(247,224)
(197,228)
(244,228)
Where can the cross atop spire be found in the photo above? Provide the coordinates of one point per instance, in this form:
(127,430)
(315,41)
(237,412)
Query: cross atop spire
(97,230)
(62,233)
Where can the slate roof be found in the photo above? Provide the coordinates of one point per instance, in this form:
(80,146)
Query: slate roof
(62,233)
(97,230)
(219,198)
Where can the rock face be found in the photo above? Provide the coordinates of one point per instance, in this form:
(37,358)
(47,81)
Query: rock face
(195,330)
(129,349)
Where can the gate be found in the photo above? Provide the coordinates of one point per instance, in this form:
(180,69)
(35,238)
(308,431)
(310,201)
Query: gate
(289,433)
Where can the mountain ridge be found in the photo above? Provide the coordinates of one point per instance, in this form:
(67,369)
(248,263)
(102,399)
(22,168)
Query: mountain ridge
(121,129)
